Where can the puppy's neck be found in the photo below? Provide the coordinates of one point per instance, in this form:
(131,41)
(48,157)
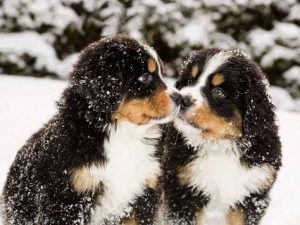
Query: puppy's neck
(205,146)
(128,131)
(131,161)
(217,147)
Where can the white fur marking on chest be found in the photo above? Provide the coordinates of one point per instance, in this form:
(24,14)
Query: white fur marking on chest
(130,163)
(219,173)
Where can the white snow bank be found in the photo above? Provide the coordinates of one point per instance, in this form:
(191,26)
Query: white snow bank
(278,52)
(27,103)
(280,43)
(231,3)
(282,99)
(287,33)
(34,13)
(285,196)
(294,13)
(33,44)
(260,40)
(293,74)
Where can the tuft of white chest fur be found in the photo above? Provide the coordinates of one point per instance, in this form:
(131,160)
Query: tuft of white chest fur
(218,172)
(131,161)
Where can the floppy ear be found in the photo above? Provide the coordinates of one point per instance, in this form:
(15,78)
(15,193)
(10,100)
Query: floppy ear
(260,133)
(97,80)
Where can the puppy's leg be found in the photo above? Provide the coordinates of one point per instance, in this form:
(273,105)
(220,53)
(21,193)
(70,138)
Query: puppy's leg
(236,217)
(146,207)
(64,209)
(185,207)
(254,208)
(199,217)
(17,210)
(130,221)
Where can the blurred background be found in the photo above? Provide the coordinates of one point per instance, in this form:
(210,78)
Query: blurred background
(43,37)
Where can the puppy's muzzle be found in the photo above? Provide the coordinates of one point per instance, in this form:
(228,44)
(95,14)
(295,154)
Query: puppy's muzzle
(184,101)
(177,98)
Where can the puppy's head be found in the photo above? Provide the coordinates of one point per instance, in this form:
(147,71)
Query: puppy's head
(121,79)
(224,97)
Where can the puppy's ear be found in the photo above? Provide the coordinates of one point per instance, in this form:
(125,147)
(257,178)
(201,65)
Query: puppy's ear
(98,79)
(260,132)
(257,105)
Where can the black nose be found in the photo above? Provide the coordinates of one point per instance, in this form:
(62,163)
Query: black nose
(177,98)
(186,101)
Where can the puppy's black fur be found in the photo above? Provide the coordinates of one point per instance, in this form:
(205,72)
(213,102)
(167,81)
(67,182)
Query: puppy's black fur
(38,189)
(258,143)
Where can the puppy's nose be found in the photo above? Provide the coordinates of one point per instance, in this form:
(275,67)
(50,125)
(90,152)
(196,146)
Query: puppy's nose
(186,101)
(177,98)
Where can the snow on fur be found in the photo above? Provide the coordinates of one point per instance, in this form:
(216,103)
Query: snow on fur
(35,98)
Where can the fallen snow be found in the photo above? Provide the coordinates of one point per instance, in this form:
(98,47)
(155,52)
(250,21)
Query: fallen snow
(293,74)
(282,99)
(284,208)
(280,43)
(27,103)
(294,14)
(278,53)
(16,45)
(32,14)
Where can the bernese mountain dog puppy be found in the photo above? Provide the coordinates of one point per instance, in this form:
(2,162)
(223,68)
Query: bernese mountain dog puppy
(222,151)
(96,161)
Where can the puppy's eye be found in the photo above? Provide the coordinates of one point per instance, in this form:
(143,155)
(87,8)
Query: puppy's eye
(145,79)
(218,93)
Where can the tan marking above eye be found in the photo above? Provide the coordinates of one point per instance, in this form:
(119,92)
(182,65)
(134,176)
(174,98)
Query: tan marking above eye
(151,65)
(195,70)
(218,79)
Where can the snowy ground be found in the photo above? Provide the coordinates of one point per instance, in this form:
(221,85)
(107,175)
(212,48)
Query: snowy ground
(27,103)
